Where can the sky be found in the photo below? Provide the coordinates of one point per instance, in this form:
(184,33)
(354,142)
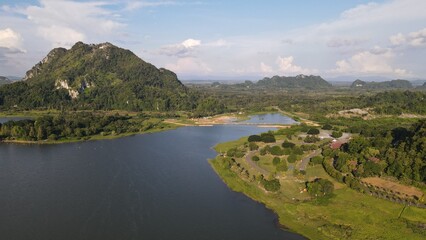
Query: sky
(227,40)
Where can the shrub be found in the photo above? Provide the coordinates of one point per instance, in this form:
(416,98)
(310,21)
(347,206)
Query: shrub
(288,144)
(276,150)
(313,131)
(336,134)
(267,138)
(311,139)
(253,146)
(255,158)
(316,160)
(297,150)
(282,167)
(271,185)
(292,158)
(254,138)
(276,161)
(320,187)
(327,127)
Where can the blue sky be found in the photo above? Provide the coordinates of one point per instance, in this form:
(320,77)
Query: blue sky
(227,39)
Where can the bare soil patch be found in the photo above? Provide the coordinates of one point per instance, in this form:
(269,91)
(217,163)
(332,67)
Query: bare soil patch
(394,186)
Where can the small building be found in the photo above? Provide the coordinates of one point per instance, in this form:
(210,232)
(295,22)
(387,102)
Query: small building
(336,145)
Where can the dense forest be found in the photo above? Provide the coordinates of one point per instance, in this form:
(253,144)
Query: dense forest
(398,152)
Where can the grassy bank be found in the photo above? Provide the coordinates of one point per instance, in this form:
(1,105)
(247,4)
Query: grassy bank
(348,214)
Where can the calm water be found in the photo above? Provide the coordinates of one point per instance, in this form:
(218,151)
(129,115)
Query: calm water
(153,186)
(270,118)
(5,119)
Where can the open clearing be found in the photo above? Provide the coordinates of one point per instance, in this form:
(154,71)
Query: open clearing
(395,187)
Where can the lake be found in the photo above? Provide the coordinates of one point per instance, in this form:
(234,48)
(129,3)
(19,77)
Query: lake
(152,186)
(270,118)
(5,119)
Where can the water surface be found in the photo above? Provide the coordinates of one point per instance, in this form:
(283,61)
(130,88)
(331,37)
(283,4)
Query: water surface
(6,119)
(152,186)
(270,118)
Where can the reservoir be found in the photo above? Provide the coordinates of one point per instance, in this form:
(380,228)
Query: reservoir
(151,186)
(270,118)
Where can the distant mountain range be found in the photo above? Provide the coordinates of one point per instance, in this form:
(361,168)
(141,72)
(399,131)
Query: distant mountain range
(404,84)
(281,82)
(96,76)
(299,81)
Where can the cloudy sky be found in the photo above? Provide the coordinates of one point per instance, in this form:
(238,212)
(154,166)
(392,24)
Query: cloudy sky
(221,39)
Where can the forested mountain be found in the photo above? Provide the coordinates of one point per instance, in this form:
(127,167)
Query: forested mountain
(299,81)
(382,85)
(4,80)
(97,76)
(280,82)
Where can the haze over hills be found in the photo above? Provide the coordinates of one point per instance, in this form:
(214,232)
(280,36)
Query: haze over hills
(97,76)
(4,80)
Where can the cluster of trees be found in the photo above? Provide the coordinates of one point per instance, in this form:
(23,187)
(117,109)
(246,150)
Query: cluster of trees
(264,137)
(65,126)
(272,185)
(399,152)
(320,187)
(280,164)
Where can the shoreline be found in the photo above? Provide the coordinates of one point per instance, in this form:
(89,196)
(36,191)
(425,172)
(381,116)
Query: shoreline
(332,220)
(235,186)
(90,138)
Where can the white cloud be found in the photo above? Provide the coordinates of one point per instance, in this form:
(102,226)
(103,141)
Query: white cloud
(337,42)
(414,39)
(10,44)
(62,23)
(359,11)
(376,61)
(418,38)
(218,43)
(286,66)
(10,39)
(397,39)
(133,5)
(265,68)
(61,36)
(191,43)
(189,66)
(183,49)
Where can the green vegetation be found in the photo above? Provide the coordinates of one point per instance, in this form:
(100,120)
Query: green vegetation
(381,85)
(77,126)
(254,138)
(313,131)
(320,187)
(103,77)
(336,134)
(327,209)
